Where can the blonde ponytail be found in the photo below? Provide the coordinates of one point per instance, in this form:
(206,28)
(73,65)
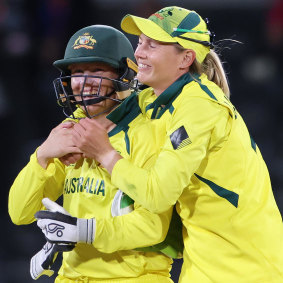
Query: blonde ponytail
(213,68)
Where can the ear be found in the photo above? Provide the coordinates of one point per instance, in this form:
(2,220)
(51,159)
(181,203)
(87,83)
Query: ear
(189,57)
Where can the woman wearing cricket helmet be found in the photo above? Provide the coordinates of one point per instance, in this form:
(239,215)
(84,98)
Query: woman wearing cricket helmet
(97,73)
(98,46)
(208,164)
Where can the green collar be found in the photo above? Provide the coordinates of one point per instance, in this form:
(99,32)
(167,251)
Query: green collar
(167,97)
(126,112)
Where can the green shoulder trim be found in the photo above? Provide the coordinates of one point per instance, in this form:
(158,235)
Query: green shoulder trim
(124,114)
(232,197)
(204,87)
(253,144)
(127,141)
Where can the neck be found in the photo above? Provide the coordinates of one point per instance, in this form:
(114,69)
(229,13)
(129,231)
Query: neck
(158,90)
(104,122)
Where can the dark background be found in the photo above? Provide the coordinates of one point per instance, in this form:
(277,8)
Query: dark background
(34,33)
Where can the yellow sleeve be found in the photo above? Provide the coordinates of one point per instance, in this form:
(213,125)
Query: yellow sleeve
(32,185)
(159,187)
(140,228)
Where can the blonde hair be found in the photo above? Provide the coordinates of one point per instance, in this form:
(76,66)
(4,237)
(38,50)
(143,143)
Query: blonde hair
(213,68)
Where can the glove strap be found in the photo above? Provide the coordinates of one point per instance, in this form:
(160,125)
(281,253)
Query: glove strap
(86,230)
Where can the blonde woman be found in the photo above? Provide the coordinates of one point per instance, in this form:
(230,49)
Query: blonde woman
(209,165)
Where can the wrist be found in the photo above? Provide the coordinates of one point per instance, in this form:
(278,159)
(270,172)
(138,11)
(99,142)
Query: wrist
(41,158)
(86,230)
(109,159)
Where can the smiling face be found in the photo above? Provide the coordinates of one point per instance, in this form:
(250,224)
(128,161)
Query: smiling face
(160,64)
(89,86)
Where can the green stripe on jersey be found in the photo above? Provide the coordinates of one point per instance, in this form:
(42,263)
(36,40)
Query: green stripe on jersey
(232,197)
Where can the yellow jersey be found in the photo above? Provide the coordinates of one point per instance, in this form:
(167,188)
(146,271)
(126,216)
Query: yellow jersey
(211,166)
(87,192)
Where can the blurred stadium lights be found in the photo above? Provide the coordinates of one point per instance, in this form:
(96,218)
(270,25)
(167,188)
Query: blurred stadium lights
(211,4)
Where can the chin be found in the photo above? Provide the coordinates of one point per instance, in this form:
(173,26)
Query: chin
(144,79)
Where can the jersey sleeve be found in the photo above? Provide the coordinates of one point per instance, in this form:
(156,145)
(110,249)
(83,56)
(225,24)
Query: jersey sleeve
(187,140)
(31,185)
(123,233)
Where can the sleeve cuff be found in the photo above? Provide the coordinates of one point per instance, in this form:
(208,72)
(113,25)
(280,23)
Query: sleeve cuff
(43,173)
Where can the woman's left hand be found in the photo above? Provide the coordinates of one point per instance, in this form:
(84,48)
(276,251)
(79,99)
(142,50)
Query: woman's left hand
(92,139)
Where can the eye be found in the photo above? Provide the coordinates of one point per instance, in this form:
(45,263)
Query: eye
(77,71)
(97,70)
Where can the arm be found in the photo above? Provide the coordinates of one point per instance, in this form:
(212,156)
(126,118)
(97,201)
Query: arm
(31,185)
(42,177)
(107,235)
(159,187)
(140,228)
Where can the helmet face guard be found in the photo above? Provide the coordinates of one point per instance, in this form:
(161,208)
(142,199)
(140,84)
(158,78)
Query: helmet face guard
(70,101)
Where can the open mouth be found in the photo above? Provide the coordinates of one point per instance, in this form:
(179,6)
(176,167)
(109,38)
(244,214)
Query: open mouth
(142,66)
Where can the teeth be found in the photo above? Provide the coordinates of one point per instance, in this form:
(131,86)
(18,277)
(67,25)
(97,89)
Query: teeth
(89,93)
(142,65)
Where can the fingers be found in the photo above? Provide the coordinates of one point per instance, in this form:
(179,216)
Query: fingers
(85,125)
(70,158)
(53,206)
(87,122)
(40,224)
(67,125)
(50,205)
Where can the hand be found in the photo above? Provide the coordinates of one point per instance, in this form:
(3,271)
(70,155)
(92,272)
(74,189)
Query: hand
(92,139)
(70,158)
(41,262)
(59,143)
(59,226)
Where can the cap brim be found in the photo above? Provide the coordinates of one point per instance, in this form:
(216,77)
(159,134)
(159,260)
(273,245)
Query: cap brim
(63,64)
(137,25)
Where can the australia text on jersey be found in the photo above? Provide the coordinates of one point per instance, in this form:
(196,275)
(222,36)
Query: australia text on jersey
(88,185)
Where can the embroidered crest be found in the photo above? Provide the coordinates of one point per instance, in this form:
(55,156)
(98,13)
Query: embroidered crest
(84,41)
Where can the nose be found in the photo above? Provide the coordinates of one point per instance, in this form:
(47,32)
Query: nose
(84,81)
(140,51)
(87,79)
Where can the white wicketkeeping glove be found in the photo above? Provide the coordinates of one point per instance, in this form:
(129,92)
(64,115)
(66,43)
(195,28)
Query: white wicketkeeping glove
(59,226)
(40,263)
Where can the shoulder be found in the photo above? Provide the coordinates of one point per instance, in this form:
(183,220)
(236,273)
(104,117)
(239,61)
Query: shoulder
(201,105)
(204,97)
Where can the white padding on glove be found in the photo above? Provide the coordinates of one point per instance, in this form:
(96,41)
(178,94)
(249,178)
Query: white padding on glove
(59,226)
(40,263)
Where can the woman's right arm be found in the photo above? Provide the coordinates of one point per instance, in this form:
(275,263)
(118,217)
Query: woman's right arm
(43,176)
(32,185)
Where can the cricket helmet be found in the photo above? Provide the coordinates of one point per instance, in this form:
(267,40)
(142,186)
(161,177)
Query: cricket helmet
(96,43)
